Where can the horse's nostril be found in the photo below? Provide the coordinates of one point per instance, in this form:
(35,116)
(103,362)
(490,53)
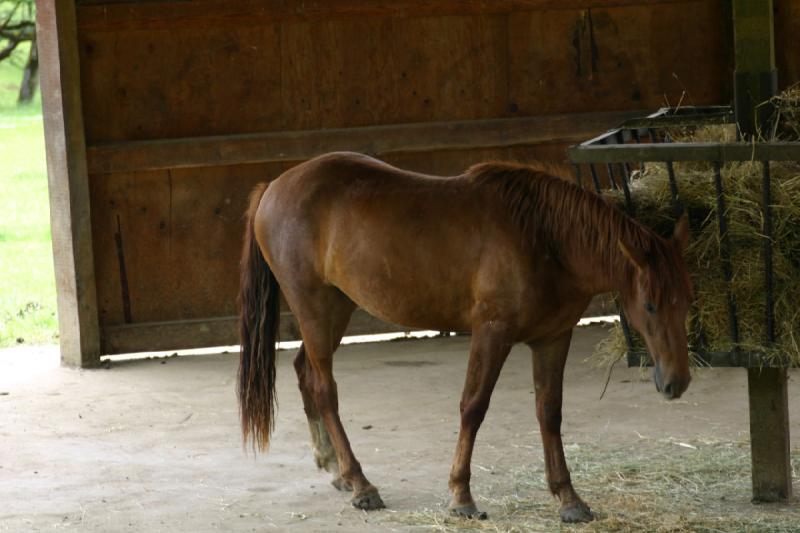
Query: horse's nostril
(668,388)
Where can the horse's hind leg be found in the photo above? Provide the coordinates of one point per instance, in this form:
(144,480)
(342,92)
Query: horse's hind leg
(488,352)
(323,314)
(324,453)
(549,360)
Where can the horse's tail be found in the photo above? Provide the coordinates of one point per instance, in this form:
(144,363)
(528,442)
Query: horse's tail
(259,298)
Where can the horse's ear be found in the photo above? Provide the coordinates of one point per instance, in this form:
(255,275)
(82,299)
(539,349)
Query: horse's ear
(681,234)
(636,257)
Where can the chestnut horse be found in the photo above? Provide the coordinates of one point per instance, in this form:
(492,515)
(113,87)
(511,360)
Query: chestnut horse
(503,251)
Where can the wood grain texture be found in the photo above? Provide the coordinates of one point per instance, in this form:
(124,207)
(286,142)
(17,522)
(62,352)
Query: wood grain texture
(787,53)
(451,68)
(70,219)
(338,74)
(148,83)
(181,231)
(222,331)
(769,434)
(145,84)
(189,104)
(375,140)
(111,15)
(618,58)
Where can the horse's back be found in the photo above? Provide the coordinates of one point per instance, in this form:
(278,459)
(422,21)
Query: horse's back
(413,249)
(325,178)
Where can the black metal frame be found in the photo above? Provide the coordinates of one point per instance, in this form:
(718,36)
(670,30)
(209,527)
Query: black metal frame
(626,143)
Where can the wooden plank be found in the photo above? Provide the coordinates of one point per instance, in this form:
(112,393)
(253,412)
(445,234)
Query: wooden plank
(769,434)
(617,57)
(329,79)
(755,78)
(222,331)
(149,82)
(68,183)
(787,54)
(396,71)
(180,233)
(452,68)
(755,82)
(168,83)
(379,140)
(113,15)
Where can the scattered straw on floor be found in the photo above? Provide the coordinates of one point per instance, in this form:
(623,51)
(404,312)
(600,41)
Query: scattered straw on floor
(662,486)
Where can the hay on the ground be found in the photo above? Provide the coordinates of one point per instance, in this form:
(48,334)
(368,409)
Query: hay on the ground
(657,486)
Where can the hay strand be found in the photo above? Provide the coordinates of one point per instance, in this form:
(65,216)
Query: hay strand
(651,195)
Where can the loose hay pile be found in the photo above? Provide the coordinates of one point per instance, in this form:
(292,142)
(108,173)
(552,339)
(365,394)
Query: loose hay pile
(742,183)
(657,486)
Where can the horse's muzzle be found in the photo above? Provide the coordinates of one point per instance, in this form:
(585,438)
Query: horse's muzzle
(672,387)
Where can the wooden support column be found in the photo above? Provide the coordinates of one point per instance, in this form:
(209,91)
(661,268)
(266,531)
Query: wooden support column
(769,434)
(68,182)
(755,78)
(755,82)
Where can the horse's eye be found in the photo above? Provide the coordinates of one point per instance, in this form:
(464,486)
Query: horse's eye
(649,307)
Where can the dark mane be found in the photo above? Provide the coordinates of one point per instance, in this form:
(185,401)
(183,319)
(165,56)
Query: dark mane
(566,220)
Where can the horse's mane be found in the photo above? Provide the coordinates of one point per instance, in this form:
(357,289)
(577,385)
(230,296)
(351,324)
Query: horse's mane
(565,220)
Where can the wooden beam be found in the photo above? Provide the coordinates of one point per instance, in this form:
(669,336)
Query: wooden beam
(755,79)
(376,140)
(769,434)
(113,15)
(68,183)
(755,82)
(222,331)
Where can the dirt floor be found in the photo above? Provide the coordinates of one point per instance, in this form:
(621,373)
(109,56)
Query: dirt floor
(154,445)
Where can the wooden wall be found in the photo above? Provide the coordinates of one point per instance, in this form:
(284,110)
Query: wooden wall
(206,71)
(187,105)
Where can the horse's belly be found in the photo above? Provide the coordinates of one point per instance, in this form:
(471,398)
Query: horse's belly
(420,279)
(394,294)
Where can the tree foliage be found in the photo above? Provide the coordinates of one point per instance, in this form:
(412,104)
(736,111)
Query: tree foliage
(18,26)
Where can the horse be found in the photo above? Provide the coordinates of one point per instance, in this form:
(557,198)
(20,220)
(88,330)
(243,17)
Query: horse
(505,252)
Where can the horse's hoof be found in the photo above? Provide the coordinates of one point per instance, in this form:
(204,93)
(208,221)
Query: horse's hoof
(341,484)
(577,512)
(368,500)
(468,511)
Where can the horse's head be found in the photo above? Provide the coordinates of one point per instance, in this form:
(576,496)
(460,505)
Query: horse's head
(656,301)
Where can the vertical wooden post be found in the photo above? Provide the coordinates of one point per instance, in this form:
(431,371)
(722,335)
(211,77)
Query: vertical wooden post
(769,434)
(68,182)
(755,81)
(755,78)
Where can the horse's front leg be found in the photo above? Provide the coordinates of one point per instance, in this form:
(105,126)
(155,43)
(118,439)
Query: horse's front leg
(549,360)
(488,352)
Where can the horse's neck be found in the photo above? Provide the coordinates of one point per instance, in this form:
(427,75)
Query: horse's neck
(595,259)
(591,274)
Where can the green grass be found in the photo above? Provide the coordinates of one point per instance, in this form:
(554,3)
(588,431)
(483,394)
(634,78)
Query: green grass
(27,283)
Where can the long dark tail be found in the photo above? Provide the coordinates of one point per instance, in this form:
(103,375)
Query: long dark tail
(259,298)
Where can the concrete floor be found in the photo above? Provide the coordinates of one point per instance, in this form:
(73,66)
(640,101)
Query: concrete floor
(154,445)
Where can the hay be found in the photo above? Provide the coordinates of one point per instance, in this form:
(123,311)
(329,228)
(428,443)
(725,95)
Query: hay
(787,115)
(659,486)
(708,325)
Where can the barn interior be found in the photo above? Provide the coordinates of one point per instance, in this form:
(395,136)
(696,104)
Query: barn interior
(162,116)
